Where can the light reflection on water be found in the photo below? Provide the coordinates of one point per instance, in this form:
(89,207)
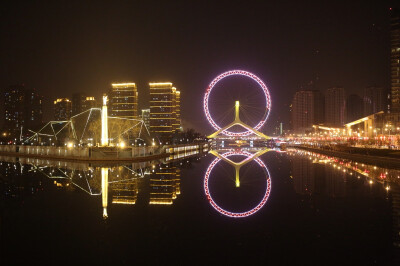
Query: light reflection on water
(114,184)
(303,190)
(315,173)
(248,157)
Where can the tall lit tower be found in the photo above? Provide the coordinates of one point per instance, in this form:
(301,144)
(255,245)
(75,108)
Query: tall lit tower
(104,122)
(164,110)
(395,59)
(123,100)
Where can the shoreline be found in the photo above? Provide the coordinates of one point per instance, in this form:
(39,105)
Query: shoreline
(86,159)
(386,162)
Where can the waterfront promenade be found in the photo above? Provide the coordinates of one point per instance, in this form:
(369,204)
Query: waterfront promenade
(101,154)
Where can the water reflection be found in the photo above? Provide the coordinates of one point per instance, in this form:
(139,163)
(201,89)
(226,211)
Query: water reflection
(318,174)
(116,184)
(340,168)
(229,157)
(329,203)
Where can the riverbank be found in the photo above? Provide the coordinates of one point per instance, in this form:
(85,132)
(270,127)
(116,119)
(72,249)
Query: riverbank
(87,159)
(102,154)
(370,158)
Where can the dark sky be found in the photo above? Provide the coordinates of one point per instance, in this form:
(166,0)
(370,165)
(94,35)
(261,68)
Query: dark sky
(62,47)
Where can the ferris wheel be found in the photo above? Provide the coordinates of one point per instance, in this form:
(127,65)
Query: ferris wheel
(230,213)
(263,108)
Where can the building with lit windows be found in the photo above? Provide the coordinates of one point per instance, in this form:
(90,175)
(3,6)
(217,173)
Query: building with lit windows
(88,103)
(23,109)
(177,124)
(164,110)
(307,110)
(395,59)
(62,109)
(123,100)
(81,103)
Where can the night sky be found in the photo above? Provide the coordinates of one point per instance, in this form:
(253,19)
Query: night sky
(63,47)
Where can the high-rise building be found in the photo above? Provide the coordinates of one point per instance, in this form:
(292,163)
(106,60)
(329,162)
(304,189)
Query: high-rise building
(335,106)
(374,100)
(164,110)
(146,117)
(23,108)
(78,100)
(354,108)
(88,103)
(123,100)
(62,109)
(177,124)
(395,59)
(307,110)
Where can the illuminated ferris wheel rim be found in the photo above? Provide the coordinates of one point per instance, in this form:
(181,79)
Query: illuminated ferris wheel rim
(229,213)
(240,73)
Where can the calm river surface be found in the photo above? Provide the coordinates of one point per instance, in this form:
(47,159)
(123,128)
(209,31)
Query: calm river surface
(290,207)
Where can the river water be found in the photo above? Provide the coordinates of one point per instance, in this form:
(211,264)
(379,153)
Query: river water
(290,207)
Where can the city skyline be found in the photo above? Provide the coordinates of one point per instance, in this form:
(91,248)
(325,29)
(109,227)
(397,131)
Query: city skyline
(158,132)
(287,49)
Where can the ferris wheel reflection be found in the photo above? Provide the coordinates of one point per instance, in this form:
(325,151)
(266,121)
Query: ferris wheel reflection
(248,157)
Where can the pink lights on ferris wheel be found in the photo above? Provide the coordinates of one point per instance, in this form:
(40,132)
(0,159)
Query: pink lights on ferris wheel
(229,213)
(264,88)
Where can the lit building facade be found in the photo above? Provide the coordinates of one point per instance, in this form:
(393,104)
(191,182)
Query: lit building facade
(62,109)
(307,110)
(164,110)
(395,59)
(177,124)
(23,108)
(88,103)
(123,100)
(335,106)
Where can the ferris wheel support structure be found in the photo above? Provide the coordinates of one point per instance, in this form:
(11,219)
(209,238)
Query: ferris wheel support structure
(236,122)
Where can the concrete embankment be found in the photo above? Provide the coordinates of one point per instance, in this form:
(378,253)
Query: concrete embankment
(87,159)
(102,154)
(381,161)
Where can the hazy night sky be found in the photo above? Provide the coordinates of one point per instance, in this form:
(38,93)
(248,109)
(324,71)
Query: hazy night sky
(62,47)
